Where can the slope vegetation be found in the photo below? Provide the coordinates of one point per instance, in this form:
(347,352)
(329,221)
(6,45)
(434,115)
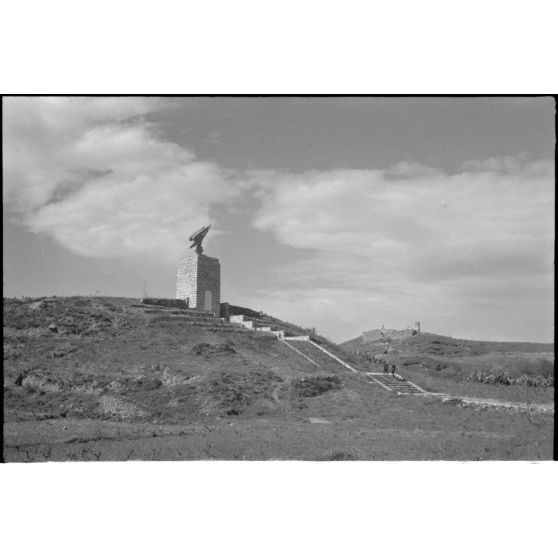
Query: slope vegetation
(93,378)
(77,357)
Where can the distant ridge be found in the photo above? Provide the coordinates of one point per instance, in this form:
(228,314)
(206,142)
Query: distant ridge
(430,343)
(379,334)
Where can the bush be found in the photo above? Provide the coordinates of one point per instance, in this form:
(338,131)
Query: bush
(209,349)
(311,387)
(497,375)
(144,383)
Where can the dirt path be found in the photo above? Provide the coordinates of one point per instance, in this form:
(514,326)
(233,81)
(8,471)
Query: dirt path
(546,408)
(483,403)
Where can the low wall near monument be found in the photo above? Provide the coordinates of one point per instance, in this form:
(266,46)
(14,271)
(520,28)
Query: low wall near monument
(172,302)
(230,310)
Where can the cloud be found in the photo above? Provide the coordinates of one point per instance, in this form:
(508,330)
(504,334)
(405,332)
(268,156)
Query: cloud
(411,241)
(368,214)
(96,175)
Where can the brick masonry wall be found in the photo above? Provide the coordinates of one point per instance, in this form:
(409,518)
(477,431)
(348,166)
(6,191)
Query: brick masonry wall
(187,279)
(195,275)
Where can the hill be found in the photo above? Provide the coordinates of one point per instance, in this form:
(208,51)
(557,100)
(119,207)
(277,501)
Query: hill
(445,364)
(76,349)
(95,378)
(432,344)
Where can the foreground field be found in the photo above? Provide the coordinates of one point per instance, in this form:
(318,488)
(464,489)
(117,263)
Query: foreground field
(357,422)
(98,379)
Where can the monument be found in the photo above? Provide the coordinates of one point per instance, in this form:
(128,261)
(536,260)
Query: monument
(198,277)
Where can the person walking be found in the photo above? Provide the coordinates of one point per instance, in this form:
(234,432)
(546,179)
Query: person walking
(392,367)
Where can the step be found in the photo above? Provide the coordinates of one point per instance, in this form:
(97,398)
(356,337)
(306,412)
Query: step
(255,325)
(232,327)
(398,385)
(191,317)
(214,325)
(259,322)
(164,311)
(242,321)
(392,381)
(221,328)
(267,323)
(217,324)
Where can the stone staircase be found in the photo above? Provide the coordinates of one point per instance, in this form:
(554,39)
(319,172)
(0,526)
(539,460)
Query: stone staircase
(327,361)
(205,320)
(316,354)
(257,324)
(321,357)
(396,383)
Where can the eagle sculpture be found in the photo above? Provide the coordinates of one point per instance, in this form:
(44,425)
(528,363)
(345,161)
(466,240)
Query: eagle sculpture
(197,238)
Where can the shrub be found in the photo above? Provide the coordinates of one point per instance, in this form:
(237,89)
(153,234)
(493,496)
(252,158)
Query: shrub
(534,381)
(497,375)
(314,386)
(143,383)
(208,349)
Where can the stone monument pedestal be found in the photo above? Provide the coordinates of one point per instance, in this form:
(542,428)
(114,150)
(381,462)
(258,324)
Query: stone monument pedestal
(198,279)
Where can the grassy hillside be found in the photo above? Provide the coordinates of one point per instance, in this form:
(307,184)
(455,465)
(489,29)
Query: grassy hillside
(469,368)
(63,355)
(93,378)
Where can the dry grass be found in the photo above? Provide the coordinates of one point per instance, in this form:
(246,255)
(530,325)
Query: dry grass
(111,383)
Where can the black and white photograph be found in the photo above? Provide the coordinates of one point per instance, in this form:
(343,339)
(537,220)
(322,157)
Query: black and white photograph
(278,278)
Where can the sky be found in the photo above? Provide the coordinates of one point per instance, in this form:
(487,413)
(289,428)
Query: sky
(340,213)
